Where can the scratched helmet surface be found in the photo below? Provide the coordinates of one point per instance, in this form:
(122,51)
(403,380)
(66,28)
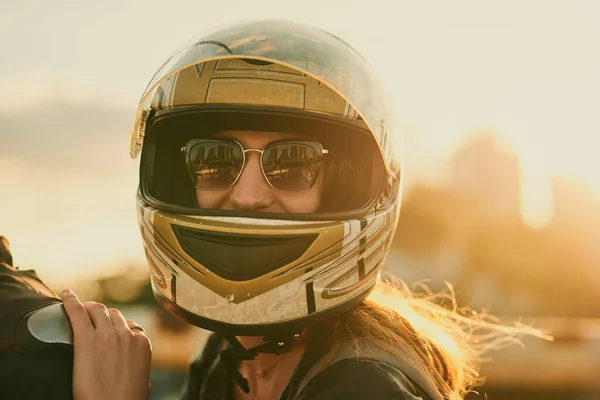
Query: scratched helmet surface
(255,273)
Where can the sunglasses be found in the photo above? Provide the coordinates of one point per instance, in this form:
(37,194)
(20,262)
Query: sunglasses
(287,165)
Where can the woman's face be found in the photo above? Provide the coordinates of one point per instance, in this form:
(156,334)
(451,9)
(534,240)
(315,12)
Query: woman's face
(252,192)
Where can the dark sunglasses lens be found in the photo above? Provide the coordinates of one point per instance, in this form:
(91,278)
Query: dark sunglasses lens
(291,167)
(214,164)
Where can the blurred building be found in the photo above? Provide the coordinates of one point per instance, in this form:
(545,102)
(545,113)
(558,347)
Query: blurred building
(468,231)
(487,178)
(576,207)
(449,232)
(576,223)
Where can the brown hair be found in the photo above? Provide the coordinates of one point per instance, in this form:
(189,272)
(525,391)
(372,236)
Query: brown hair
(447,342)
(345,185)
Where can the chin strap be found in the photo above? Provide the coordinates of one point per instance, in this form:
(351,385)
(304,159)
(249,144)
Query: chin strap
(237,352)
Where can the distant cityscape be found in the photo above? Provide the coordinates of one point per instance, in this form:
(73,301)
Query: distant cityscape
(468,230)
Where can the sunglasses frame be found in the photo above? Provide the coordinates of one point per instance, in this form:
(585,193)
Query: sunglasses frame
(318,147)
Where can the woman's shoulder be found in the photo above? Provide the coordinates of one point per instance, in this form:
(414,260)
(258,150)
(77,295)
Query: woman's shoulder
(360,378)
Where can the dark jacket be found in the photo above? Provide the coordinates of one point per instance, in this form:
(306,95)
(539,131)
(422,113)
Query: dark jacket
(29,369)
(374,375)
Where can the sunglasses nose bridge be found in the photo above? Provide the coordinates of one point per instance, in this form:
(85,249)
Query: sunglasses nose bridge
(260,154)
(260,151)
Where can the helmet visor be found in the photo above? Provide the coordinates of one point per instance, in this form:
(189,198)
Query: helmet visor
(197,153)
(305,50)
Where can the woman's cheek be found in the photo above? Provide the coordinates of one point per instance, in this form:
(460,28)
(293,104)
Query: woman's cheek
(301,203)
(212,200)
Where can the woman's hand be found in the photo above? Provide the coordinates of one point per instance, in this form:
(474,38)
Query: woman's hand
(112,355)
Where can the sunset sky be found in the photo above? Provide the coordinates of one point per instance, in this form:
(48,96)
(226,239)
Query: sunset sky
(71,74)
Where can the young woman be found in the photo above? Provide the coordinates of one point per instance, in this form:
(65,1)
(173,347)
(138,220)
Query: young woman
(269,192)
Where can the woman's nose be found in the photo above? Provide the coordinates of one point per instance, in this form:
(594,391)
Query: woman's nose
(251,192)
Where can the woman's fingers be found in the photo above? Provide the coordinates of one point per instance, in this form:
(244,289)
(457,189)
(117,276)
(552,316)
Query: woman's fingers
(134,327)
(78,315)
(112,355)
(99,316)
(118,321)
(140,337)
(123,326)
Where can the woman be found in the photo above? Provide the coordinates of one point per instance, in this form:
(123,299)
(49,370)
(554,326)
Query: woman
(269,192)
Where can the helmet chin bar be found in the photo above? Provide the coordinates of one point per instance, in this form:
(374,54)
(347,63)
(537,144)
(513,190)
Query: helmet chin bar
(333,275)
(270,330)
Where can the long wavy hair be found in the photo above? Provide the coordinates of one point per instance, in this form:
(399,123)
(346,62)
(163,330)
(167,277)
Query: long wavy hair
(447,342)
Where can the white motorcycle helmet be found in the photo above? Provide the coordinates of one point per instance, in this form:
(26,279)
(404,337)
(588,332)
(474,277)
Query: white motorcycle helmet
(256,273)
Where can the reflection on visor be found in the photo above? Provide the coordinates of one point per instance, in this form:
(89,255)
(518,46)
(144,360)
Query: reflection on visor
(289,166)
(215,165)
